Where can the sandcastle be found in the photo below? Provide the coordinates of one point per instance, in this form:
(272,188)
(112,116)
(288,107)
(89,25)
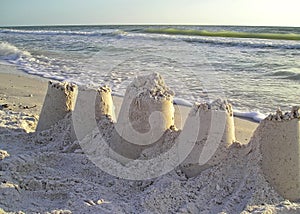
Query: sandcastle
(146,113)
(215,134)
(59,101)
(280,148)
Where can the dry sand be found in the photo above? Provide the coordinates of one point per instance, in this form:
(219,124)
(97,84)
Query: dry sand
(48,173)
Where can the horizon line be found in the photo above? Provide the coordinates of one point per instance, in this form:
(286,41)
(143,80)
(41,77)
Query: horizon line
(143,24)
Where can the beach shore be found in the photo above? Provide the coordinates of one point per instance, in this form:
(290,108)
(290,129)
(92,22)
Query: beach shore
(47,173)
(20,92)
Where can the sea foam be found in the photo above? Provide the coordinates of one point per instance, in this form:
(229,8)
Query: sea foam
(11,52)
(256,116)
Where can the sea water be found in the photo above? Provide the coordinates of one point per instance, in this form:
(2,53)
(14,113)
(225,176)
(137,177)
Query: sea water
(256,68)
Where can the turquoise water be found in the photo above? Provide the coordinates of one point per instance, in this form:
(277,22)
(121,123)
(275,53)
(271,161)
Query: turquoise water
(255,68)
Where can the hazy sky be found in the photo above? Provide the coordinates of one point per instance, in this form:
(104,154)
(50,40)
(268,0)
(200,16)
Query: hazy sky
(214,12)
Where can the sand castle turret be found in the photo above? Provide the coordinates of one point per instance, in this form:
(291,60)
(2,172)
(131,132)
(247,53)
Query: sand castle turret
(59,101)
(280,148)
(147,112)
(104,103)
(216,133)
(144,96)
(91,106)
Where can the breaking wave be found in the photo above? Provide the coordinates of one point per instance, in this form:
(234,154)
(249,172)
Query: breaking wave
(64,32)
(11,52)
(231,34)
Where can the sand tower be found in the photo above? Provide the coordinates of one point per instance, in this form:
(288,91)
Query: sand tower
(147,112)
(59,101)
(104,103)
(280,148)
(91,106)
(216,132)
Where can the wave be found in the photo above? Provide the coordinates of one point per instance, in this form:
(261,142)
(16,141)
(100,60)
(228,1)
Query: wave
(245,44)
(282,73)
(231,34)
(290,75)
(219,41)
(10,52)
(32,64)
(293,77)
(102,32)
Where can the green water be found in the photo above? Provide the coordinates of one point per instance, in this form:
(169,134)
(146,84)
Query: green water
(230,34)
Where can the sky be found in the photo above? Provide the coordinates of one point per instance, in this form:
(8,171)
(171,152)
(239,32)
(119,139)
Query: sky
(200,12)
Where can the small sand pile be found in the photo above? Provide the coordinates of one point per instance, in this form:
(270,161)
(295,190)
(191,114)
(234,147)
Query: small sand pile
(3,154)
(17,122)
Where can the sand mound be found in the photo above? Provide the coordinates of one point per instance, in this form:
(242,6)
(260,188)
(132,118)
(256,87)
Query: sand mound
(3,154)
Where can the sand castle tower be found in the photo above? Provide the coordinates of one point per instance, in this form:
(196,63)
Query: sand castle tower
(59,101)
(104,104)
(280,148)
(215,133)
(91,106)
(147,112)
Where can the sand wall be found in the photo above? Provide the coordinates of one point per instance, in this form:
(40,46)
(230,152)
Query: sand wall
(280,148)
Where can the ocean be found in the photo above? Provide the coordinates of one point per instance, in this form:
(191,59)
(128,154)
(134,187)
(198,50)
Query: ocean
(256,68)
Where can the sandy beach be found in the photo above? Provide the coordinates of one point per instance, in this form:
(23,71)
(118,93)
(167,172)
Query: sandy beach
(46,172)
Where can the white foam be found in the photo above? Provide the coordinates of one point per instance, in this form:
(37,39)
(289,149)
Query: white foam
(183,102)
(256,116)
(62,32)
(11,52)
